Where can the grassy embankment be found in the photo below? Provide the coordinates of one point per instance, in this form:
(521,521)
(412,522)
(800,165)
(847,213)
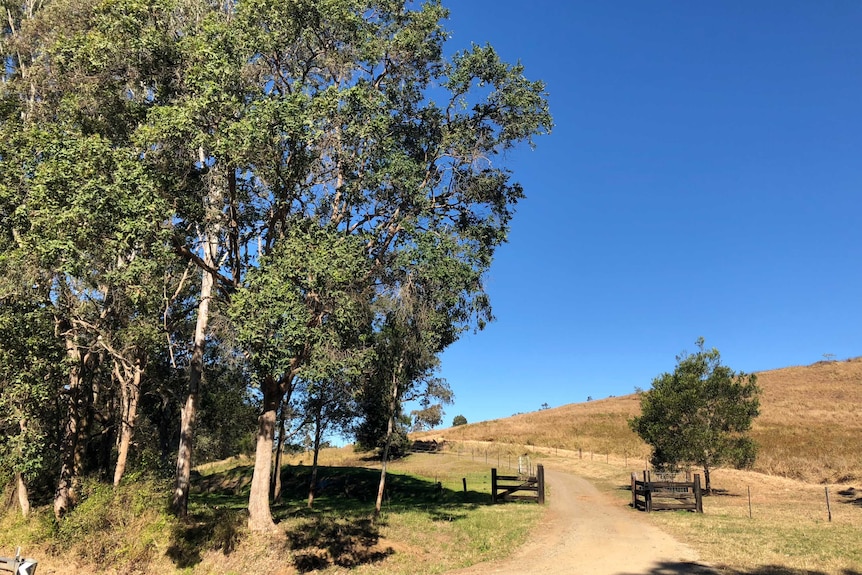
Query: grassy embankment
(424,527)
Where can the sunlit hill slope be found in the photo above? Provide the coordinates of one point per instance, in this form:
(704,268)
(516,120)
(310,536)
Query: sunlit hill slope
(809,427)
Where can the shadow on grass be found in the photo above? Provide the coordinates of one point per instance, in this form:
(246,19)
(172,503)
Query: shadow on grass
(721,493)
(336,532)
(686,568)
(320,542)
(851,496)
(350,491)
(216,529)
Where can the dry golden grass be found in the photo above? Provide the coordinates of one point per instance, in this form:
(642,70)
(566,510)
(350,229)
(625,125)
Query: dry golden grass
(811,422)
(597,426)
(808,434)
(787,533)
(809,427)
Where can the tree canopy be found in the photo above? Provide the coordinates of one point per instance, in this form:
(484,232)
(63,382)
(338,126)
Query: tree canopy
(699,414)
(205,204)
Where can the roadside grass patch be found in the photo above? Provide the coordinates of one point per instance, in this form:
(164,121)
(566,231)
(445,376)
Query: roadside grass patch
(125,527)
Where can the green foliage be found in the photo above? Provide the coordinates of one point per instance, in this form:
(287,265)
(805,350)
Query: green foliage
(344,178)
(699,414)
(305,302)
(228,414)
(369,431)
(30,367)
(459,420)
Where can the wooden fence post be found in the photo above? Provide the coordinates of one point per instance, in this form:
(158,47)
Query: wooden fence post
(493,485)
(634,491)
(647,493)
(540,475)
(698,497)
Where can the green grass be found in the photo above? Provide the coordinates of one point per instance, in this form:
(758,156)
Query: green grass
(429,523)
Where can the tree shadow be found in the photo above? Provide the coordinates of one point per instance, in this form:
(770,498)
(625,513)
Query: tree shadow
(321,542)
(720,493)
(350,491)
(851,496)
(336,532)
(231,482)
(688,568)
(215,528)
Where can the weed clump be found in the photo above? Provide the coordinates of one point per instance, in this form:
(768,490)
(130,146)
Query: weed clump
(124,526)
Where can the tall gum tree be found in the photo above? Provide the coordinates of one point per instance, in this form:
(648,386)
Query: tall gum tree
(250,116)
(30,359)
(80,210)
(357,140)
(186,138)
(299,316)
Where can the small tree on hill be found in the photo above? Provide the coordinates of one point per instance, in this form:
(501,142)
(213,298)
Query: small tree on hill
(459,420)
(699,414)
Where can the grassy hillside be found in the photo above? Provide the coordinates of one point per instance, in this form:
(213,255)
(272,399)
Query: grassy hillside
(429,523)
(809,427)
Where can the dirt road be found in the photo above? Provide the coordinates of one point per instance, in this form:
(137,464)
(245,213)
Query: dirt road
(588,533)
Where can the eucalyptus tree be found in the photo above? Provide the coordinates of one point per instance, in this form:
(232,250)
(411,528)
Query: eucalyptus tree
(243,119)
(436,293)
(30,371)
(357,140)
(80,212)
(75,245)
(301,315)
(329,403)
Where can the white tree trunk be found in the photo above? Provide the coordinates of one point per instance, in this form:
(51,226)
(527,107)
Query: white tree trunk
(390,429)
(259,514)
(131,394)
(188,413)
(23,495)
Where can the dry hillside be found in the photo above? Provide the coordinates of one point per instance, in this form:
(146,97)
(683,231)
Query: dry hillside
(809,428)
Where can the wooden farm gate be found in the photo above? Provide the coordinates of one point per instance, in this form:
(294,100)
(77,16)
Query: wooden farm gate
(661,495)
(505,487)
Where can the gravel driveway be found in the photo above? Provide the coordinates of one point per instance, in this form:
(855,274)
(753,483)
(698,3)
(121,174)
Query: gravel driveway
(588,533)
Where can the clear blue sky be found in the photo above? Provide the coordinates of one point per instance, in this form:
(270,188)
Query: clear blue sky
(704,178)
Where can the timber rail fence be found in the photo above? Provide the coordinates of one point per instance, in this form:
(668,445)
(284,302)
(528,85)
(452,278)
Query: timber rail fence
(505,487)
(650,495)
